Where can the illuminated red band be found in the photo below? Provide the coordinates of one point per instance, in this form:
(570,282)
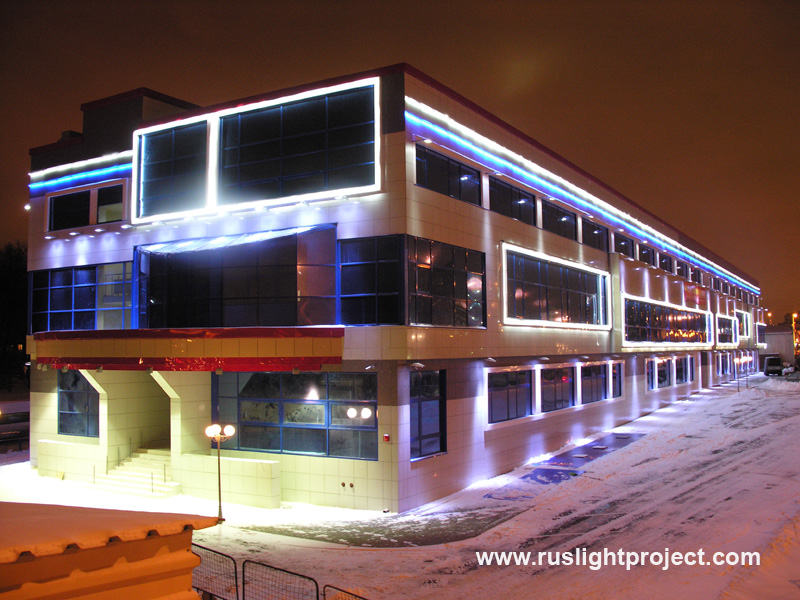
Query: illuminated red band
(232,364)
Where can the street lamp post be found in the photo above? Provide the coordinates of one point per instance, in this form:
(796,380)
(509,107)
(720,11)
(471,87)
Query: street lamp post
(748,360)
(219,435)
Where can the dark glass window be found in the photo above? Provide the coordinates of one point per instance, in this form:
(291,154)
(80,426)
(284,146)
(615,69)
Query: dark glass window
(94,297)
(684,369)
(682,270)
(287,280)
(725,330)
(559,220)
(595,235)
(328,414)
(665,262)
(447,176)
(371,280)
(659,373)
(624,245)
(594,383)
(509,395)
(697,276)
(445,284)
(512,201)
(723,364)
(78,405)
(427,413)
(319,144)
(540,290)
(70,210)
(647,255)
(617,382)
(744,323)
(558,388)
(646,322)
(109,204)
(173,177)
(761,333)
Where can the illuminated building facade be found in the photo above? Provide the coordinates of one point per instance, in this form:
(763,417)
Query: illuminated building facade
(390,293)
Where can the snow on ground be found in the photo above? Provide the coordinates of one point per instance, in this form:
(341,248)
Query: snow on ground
(719,472)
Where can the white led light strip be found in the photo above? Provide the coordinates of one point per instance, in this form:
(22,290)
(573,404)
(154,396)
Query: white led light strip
(492,146)
(211,204)
(81,164)
(667,345)
(606,283)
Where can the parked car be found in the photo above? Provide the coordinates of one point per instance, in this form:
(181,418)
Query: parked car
(773,366)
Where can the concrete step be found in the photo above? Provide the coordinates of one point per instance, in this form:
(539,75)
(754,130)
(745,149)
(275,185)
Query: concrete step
(142,474)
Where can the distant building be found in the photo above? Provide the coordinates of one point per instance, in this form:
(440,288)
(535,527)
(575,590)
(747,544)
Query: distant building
(390,292)
(780,342)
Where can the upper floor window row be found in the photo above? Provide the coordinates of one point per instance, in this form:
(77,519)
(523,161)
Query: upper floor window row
(447,176)
(87,206)
(308,147)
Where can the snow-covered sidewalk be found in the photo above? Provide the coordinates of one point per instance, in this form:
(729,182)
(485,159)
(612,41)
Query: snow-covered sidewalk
(717,472)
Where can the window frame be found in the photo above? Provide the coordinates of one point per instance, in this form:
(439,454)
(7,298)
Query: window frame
(419,296)
(603,245)
(454,187)
(92,401)
(568,384)
(285,398)
(93,204)
(209,204)
(599,372)
(43,295)
(566,221)
(516,199)
(653,372)
(416,404)
(620,239)
(529,404)
(720,331)
(603,291)
(651,324)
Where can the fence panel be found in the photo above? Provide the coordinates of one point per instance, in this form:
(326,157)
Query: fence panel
(263,582)
(330,592)
(216,574)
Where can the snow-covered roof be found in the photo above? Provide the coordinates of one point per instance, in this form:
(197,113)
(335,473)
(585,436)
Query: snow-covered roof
(45,529)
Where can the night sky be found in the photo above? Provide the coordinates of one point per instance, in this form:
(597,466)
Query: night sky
(690,108)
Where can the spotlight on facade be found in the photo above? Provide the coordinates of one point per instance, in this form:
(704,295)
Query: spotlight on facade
(489,359)
(417,365)
(217,434)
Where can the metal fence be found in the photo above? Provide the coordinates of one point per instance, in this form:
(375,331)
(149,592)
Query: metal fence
(216,575)
(262,582)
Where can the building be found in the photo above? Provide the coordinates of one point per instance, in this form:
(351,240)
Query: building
(388,291)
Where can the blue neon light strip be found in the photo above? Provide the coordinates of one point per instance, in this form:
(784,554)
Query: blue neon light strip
(566,196)
(81,178)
